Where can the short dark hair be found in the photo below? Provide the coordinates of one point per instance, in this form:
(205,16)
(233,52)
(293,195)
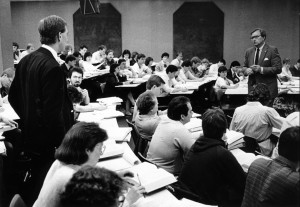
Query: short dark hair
(49,29)
(154,80)
(101,47)
(81,137)
(126,52)
(148,60)
(109,51)
(76,54)
(178,53)
(221,69)
(91,187)
(222,61)
(83,46)
(286,60)
(139,56)
(186,63)
(177,107)
(171,69)
(146,102)
(214,123)
(260,93)
(134,54)
(74,94)
(195,60)
(15,44)
(121,60)
(87,54)
(234,64)
(70,58)
(262,32)
(75,69)
(289,144)
(165,54)
(113,67)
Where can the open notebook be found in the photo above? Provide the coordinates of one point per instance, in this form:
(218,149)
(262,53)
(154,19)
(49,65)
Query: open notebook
(151,177)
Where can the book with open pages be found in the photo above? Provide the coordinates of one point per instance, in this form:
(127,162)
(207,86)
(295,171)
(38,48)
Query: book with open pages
(151,177)
(234,139)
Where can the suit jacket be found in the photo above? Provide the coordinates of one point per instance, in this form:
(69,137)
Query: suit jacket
(271,62)
(39,96)
(231,77)
(111,82)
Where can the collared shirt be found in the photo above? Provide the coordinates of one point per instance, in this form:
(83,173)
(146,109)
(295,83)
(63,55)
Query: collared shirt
(272,183)
(53,52)
(255,120)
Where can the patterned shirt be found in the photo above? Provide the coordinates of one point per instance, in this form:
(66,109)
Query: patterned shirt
(272,183)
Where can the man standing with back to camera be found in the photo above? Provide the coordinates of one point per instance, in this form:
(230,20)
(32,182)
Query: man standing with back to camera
(263,63)
(38,94)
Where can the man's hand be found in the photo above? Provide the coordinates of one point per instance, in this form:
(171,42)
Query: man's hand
(249,71)
(256,68)
(135,193)
(84,93)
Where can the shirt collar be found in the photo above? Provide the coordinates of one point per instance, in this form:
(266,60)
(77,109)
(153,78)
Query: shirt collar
(53,52)
(253,103)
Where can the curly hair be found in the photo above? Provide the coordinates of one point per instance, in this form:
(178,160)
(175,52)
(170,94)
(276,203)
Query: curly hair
(74,95)
(93,187)
(260,93)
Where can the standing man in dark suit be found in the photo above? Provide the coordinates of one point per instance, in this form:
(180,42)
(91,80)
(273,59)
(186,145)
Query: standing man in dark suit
(263,62)
(39,96)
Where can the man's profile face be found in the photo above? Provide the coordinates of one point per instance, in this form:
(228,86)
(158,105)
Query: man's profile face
(257,39)
(6,81)
(72,63)
(63,39)
(141,60)
(76,79)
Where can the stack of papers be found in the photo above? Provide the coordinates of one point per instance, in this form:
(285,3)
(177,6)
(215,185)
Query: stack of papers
(234,139)
(151,177)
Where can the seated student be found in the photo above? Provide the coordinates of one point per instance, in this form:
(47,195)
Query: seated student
(6,79)
(133,59)
(196,62)
(295,69)
(99,56)
(113,79)
(171,140)
(138,69)
(82,50)
(81,146)
(285,74)
(213,69)
(87,63)
(178,60)
(164,63)
(109,58)
(222,81)
(16,52)
(210,170)
(256,120)
(148,69)
(147,119)
(232,72)
(185,73)
(126,55)
(93,186)
(155,84)
(276,182)
(69,63)
(203,67)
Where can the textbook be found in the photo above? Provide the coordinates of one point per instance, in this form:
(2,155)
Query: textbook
(151,177)
(245,159)
(234,139)
(112,149)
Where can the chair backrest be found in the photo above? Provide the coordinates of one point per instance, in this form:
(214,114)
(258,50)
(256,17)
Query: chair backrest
(17,201)
(135,136)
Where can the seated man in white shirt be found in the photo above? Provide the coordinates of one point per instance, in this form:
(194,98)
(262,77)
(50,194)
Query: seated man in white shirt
(138,69)
(185,73)
(213,69)
(98,57)
(75,78)
(169,78)
(164,63)
(178,60)
(29,49)
(256,120)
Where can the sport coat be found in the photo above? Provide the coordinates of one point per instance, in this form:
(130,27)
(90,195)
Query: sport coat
(271,62)
(39,96)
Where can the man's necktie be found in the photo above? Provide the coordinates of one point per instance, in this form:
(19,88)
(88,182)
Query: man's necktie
(256,56)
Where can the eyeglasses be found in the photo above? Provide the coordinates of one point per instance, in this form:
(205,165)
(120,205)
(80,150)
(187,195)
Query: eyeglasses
(254,37)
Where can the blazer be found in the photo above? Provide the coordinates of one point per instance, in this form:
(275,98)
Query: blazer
(271,62)
(111,82)
(231,77)
(38,94)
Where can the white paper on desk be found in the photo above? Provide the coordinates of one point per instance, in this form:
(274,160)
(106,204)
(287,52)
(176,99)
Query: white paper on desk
(108,113)
(245,159)
(112,149)
(151,177)
(233,136)
(2,148)
(9,112)
(119,134)
(237,91)
(109,123)
(110,100)
(194,125)
(192,85)
(138,80)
